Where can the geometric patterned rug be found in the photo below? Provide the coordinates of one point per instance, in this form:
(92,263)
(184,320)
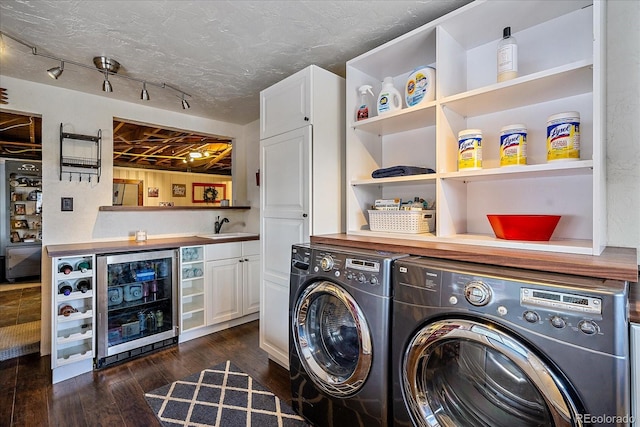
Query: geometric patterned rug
(222,396)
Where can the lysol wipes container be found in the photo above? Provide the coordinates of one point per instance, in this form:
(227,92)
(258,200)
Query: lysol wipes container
(513,145)
(470,149)
(563,136)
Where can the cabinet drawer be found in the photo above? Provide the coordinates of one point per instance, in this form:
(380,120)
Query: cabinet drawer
(251,247)
(223,250)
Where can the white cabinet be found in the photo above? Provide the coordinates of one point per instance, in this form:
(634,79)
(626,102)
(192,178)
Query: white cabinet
(286,105)
(192,285)
(635,373)
(225,290)
(232,284)
(561,68)
(302,188)
(73,319)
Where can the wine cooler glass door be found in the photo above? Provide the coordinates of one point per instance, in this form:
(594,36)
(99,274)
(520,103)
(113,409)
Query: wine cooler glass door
(136,301)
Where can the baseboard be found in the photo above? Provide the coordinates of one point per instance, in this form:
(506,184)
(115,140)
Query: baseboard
(206,330)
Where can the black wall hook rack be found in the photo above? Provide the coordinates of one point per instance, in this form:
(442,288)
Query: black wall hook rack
(70,162)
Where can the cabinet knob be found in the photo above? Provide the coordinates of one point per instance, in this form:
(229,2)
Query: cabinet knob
(304,215)
(241,260)
(306,119)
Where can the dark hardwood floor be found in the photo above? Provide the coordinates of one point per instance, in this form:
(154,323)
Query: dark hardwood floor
(115,396)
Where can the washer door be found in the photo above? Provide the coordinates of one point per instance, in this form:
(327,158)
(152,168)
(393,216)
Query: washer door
(466,373)
(332,338)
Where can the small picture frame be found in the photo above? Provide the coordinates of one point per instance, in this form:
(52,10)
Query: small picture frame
(153,191)
(20,209)
(66,204)
(15,237)
(19,224)
(179,190)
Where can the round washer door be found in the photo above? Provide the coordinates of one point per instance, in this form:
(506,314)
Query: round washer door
(467,373)
(332,338)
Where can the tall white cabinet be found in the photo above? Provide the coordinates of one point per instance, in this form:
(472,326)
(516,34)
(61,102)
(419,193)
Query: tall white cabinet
(561,68)
(302,185)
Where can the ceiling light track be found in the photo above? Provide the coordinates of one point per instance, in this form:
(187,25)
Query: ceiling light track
(104,65)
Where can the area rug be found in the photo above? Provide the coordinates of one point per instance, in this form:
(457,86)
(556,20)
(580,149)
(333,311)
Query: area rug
(19,340)
(221,396)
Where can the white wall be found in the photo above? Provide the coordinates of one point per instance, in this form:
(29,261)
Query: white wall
(84,114)
(623,124)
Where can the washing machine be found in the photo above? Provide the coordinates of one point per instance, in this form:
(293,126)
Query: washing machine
(476,345)
(340,313)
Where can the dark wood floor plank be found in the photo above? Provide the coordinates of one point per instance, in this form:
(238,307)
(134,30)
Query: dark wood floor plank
(65,405)
(8,378)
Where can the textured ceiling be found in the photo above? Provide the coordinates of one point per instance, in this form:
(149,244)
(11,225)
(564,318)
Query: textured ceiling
(222,53)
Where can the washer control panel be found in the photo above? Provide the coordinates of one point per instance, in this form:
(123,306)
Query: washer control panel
(588,313)
(364,269)
(560,301)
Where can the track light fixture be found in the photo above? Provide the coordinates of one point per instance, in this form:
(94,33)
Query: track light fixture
(55,72)
(106,84)
(102,64)
(144,95)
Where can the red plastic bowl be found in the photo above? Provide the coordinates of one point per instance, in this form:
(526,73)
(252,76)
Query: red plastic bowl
(524,227)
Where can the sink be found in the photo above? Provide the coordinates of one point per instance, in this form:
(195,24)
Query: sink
(227,235)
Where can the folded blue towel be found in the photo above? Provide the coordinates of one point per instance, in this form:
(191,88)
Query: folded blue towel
(400,171)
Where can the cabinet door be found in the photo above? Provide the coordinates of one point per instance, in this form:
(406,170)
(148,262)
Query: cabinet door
(286,105)
(251,284)
(285,199)
(224,293)
(274,321)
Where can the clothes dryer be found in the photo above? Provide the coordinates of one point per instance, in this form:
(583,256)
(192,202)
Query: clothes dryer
(477,346)
(340,311)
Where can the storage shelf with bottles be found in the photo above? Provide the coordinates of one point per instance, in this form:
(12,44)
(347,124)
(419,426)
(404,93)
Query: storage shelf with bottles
(73,309)
(560,69)
(25,209)
(192,287)
(80,154)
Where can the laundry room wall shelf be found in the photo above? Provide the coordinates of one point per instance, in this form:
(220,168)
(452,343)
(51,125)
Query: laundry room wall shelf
(562,68)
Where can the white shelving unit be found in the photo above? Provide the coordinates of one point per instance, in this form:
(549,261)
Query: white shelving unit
(561,68)
(73,316)
(192,288)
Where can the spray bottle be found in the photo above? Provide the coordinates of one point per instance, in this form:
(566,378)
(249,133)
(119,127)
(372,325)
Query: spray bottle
(363,104)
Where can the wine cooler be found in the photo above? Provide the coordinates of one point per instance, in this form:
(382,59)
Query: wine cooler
(137,304)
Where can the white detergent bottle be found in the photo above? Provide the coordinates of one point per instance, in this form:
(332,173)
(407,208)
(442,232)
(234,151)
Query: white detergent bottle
(389,99)
(362,112)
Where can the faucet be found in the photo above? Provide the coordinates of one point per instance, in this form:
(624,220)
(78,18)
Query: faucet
(218,224)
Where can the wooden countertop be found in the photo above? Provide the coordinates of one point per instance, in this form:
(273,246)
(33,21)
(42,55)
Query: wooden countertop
(133,246)
(613,263)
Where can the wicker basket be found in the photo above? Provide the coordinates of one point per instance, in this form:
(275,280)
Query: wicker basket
(402,221)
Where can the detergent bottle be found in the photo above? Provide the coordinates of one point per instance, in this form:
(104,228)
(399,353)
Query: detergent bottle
(389,98)
(363,104)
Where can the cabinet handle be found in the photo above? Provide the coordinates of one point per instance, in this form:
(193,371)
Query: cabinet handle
(246,259)
(304,215)
(306,119)
(241,260)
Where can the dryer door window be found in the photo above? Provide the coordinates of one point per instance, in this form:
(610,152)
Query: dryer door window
(466,373)
(332,338)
